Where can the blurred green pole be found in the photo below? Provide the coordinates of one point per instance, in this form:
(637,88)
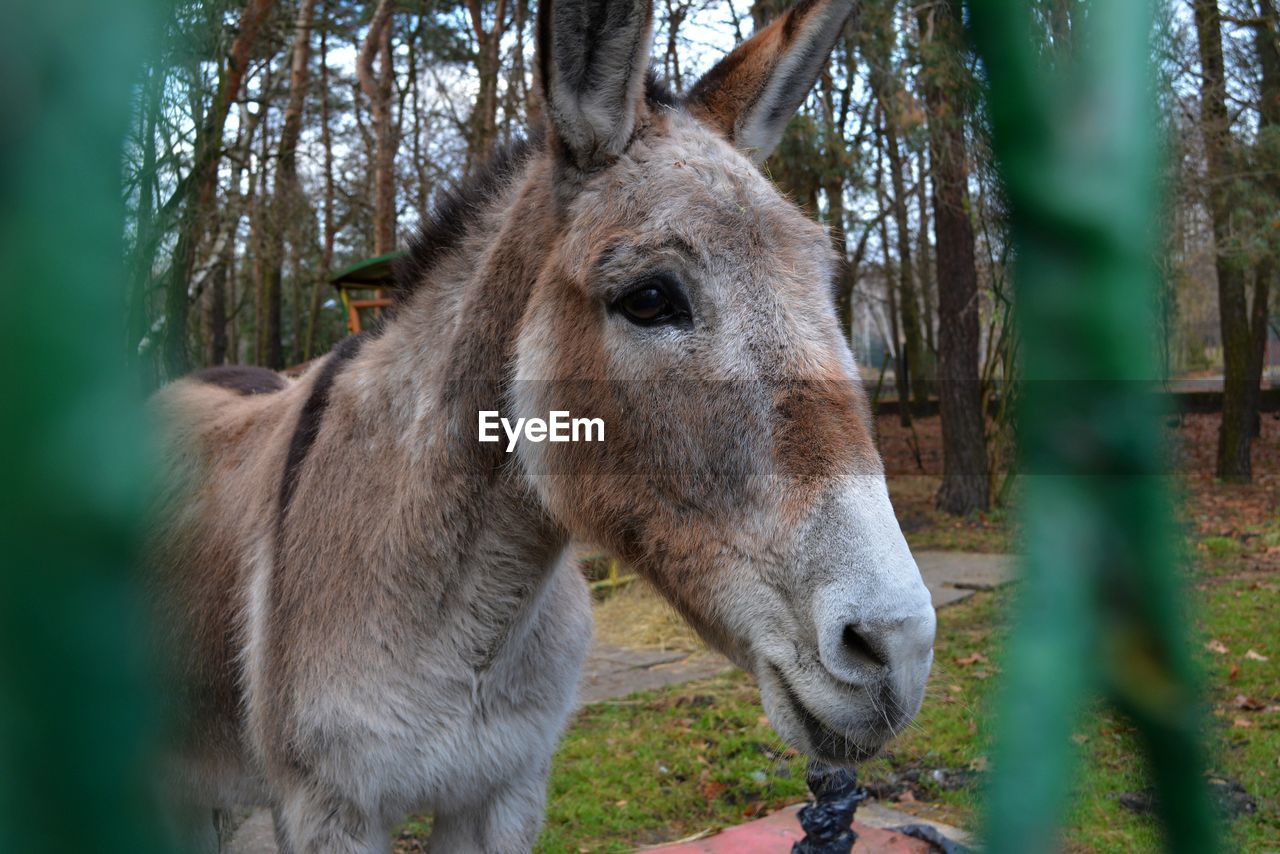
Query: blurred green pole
(77,709)
(1100,607)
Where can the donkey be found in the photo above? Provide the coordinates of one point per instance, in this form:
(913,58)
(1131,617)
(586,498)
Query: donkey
(374,612)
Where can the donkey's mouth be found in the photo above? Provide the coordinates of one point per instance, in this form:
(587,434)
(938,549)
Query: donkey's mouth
(824,743)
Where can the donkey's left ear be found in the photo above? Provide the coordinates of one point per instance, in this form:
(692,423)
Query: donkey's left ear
(593,56)
(751,94)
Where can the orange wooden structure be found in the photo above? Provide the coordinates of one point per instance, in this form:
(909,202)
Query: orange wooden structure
(371,275)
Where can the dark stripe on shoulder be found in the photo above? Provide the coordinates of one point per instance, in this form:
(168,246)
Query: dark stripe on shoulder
(242,379)
(310,418)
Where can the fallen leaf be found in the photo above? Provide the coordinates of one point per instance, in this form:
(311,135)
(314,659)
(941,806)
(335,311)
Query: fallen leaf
(1249,704)
(1217,647)
(619,803)
(1079,738)
(1256,656)
(954,689)
(1233,673)
(976,658)
(978,764)
(1242,723)
(907,797)
(711,789)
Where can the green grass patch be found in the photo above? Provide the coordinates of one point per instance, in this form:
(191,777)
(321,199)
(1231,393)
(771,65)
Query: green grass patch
(666,765)
(1220,547)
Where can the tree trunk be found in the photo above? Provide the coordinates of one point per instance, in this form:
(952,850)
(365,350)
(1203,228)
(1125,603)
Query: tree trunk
(897,351)
(218,307)
(260,243)
(484,116)
(1267,46)
(202,182)
(146,232)
(326,253)
(909,301)
(965,486)
(676,14)
(1235,432)
(378,89)
(887,90)
(287,201)
(833,186)
(924,264)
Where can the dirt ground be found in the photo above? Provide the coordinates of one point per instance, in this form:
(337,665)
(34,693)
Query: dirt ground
(913,463)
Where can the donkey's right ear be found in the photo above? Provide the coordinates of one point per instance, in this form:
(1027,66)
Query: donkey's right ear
(593,56)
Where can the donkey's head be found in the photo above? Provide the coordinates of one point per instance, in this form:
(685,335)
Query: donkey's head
(689,305)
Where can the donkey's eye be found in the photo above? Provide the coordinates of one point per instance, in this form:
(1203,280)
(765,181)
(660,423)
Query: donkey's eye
(653,303)
(646,305)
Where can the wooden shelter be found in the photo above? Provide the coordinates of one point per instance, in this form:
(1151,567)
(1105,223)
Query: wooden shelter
(355,283)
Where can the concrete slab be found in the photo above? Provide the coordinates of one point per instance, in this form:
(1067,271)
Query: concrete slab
(966,570)
(954,576)
(945,594)
(876,814)
(606,679)
(626,657)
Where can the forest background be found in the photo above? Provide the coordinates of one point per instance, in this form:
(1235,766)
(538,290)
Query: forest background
(277,142)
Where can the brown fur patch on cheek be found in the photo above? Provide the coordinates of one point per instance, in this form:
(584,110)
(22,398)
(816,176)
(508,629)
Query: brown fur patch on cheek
(821,430)
(687,560)
(619,493)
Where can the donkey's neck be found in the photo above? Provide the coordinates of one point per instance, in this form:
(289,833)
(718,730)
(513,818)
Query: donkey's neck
(465,514)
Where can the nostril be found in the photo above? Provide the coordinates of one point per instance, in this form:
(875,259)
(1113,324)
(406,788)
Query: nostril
(857,646)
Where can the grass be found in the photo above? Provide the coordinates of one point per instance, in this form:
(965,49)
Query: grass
(667,765)
(663,766)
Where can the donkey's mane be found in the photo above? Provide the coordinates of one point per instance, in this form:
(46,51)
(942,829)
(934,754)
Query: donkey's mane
(460,207)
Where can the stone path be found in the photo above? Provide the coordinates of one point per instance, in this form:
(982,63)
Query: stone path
(616,671)
(611,672)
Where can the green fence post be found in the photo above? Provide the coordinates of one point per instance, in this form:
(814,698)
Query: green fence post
(77,719)
(1100,605)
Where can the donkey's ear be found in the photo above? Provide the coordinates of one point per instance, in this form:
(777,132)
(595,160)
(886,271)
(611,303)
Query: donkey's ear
(593,56)
(751,94)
